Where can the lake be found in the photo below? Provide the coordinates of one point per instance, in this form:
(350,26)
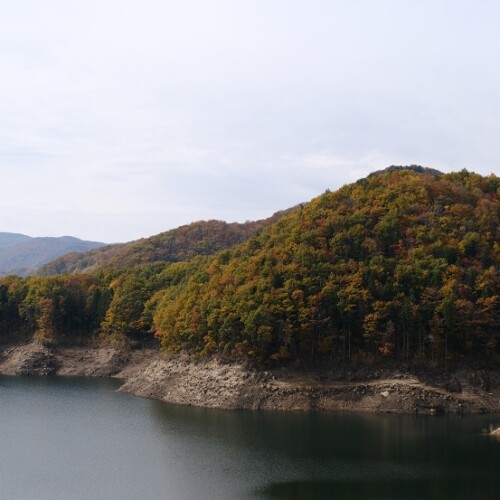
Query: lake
(76,438)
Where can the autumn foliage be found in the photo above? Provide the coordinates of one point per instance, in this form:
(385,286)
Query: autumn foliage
(401,265)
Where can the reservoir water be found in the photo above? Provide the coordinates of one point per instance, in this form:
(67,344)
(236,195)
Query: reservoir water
(78,439)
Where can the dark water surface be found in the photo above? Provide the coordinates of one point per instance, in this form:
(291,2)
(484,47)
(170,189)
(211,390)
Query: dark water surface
(74,439)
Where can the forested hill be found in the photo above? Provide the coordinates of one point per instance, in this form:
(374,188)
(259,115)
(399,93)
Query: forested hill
(403,265)
(182,243)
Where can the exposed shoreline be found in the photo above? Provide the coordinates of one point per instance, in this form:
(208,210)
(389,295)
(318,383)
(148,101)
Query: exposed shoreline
(215,384)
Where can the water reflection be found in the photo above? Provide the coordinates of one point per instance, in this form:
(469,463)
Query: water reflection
(454,488)
(78,438)
(348,455)
(412,439)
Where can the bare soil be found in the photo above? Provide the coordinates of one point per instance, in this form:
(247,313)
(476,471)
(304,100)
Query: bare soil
(214,383)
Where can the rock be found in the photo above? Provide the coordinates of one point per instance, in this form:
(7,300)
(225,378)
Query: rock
(31,359)
(453,386)
(385,393)
(495,432)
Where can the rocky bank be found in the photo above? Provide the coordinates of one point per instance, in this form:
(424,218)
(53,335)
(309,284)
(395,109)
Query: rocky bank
(216,384)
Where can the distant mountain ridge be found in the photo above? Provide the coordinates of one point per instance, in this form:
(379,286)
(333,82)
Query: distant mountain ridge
(10,239)
(21,254)
(182,243)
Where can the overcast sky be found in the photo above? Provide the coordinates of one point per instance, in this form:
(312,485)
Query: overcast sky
(121,119)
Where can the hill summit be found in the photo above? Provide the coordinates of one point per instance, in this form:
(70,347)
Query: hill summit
(401,266)
(413,168)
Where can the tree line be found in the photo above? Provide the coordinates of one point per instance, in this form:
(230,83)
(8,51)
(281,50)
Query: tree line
(401,265)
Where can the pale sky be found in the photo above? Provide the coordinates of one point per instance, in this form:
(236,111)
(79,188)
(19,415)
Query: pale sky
(120,119)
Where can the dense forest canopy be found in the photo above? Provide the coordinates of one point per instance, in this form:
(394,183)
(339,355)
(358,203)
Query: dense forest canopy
(401,265)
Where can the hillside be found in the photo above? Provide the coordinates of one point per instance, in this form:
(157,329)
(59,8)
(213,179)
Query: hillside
(22,255)
(402,266)
(182,243)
